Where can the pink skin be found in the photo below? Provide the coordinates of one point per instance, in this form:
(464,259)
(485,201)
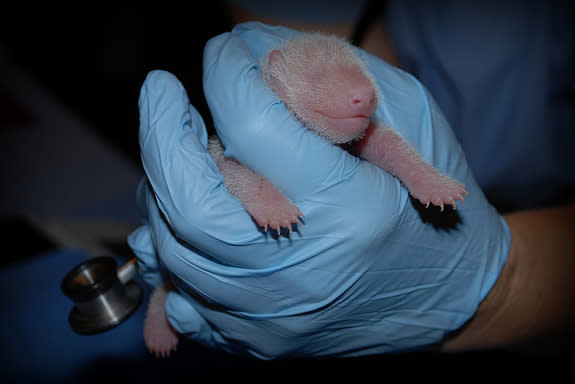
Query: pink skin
(338,103)
(262,200)
(349,112)
(383,147)
(161,339)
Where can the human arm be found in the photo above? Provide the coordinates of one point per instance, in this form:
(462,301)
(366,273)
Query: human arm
(532,305)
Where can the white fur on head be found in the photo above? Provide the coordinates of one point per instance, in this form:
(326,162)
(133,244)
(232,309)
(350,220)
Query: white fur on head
(288,74)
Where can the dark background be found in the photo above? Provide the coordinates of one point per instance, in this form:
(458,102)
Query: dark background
(94,59)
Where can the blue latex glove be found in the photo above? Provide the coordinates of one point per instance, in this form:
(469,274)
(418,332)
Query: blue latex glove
(363,275)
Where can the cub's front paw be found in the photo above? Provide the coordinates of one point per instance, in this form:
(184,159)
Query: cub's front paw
(439,190)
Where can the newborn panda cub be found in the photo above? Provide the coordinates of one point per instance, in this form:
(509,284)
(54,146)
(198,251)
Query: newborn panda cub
(327,87)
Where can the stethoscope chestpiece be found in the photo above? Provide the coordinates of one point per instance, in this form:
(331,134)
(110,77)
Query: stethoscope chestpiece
(102,300)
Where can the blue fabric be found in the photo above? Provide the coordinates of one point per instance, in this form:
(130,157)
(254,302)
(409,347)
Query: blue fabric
(364,274)
(502,73)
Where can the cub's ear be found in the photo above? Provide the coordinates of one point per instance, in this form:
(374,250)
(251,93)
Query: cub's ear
(276,57)
(276,60)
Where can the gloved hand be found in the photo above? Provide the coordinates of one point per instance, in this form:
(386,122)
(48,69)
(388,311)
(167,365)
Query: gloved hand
(364,274)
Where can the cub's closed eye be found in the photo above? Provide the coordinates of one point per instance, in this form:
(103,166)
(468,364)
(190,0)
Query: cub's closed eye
(316,75)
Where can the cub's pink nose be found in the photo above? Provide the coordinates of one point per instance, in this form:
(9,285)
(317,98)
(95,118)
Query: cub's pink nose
(362,101)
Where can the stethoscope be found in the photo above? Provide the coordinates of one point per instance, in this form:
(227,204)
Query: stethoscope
(104,295)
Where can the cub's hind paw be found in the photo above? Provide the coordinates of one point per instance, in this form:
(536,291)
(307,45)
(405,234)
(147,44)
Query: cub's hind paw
(161,339)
